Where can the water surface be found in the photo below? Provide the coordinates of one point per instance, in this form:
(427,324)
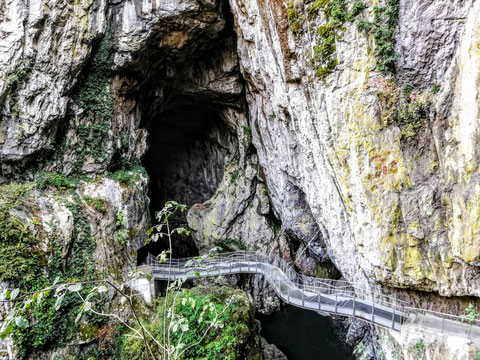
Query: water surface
(305,335)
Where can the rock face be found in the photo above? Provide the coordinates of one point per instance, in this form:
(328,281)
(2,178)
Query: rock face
(380,200)
(373,172)
(44,46)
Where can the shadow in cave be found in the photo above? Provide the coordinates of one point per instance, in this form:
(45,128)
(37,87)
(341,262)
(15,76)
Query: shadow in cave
(188,143)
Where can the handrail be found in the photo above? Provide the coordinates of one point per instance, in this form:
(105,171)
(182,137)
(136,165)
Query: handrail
(335,296)
(299,279)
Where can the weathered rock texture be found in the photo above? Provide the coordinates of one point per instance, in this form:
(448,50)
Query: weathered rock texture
(380,200)
(44,46)
(292,159)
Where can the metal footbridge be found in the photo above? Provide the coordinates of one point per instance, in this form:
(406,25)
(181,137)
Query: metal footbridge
(325,295)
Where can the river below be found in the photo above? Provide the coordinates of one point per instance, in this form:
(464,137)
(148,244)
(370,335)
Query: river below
(305,335)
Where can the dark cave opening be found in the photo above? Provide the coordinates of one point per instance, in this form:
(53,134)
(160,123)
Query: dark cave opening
(185,158)
(188,144)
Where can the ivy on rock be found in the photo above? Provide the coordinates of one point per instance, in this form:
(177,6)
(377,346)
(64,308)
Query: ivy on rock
(94,96)
(383,28)
(30,258)
(336,15)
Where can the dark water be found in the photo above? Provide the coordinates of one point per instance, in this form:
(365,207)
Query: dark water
(304,335)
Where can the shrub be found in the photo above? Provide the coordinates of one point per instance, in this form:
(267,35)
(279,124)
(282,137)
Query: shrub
(55,180)
(97,203)
(229,338)
(128,176)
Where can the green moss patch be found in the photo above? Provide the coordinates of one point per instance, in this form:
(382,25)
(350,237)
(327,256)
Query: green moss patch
(29,265)
(19,256)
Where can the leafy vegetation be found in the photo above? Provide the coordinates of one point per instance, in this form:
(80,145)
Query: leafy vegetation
(409,112)
(97,203)
(435,89)
(412,114)
(470,314)
(72,262)
(295,19)
(53,326)
(187,325)
(383,27)
(19,262)
(121,223)
(419,347)
(362,351)
(127,176)
(23,263)
(336,15)
(234,176)
(55,180)
(218,320)
(13,83)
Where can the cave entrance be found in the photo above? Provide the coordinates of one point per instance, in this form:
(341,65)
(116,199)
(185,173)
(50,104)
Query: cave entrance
(188,144)
(185,158)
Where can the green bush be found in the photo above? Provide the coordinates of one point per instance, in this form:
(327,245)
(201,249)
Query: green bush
(13,83)
(128,176)
(230,339)
(55,180)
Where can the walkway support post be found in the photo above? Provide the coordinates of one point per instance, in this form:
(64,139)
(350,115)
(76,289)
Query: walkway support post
(373,311)
(336,302)
(393,317)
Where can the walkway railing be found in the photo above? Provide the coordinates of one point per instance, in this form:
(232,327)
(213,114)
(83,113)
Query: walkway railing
(333,296)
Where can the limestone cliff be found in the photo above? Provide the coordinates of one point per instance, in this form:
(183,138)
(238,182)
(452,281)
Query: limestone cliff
(341,133)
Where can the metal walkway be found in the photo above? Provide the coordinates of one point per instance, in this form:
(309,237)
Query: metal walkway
(327,295)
